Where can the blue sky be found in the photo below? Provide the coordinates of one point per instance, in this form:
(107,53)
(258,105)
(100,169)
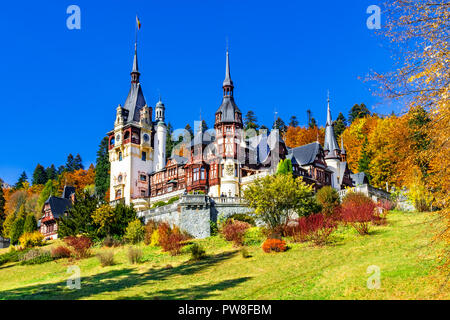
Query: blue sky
(60,87)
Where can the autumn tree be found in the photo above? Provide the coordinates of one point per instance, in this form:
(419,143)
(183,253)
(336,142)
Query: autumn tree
(102,169)
(420,31)
(276,198)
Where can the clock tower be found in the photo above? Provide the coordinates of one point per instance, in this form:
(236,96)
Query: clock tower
(228,127)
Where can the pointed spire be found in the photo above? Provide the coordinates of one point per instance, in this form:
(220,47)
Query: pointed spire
(342,145)
(329,122)
(135,72)
(227,83)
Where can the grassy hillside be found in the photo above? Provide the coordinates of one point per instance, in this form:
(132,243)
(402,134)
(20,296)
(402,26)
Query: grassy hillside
(401,249)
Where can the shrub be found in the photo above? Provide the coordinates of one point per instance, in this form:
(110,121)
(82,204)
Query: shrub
(173,199)
(234,230)
(358,211)
(159,204)
(155,239)
(106,258)
(80,246)
(320,227)
(12,256)
(213,227)
(134,232)
(150,227)
(61,252)
(316,227)
(134,255)
(328,198)
(244,218)
(31,239)
(197,252)
(171,240)
(275,245)
(35,256)
(110,241)
(253,236)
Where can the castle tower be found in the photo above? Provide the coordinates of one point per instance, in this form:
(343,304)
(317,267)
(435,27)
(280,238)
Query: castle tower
(131,144)
(332,150)
(160,137)
(228,126)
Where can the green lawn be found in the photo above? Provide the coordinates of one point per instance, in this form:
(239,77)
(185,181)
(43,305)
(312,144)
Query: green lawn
(402,250)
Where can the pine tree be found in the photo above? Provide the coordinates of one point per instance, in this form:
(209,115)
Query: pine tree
(169,143)
(364,160)
(51,173)
(312,123)
(189,130)
(50,188)
(340,124)
(17,229)
(293,122)
(262,128)
(250,121)
(77,163)
(79,220)
(279,124)
(70,165)
(39,175)
(102,169)
(30,224)
(60,170)
(22,179)
(358,111)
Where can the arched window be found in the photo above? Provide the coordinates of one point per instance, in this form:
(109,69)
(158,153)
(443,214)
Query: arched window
(119,194)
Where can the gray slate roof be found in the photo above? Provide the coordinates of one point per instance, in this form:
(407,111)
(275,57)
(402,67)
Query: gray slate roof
(359,178)
(58,205)
(228,108)
(134,103)
(304,155)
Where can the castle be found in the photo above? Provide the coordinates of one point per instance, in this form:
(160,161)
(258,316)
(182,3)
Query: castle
(219,162)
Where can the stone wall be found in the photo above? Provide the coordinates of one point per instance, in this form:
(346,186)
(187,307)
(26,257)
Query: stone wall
(193,213)
(4,243)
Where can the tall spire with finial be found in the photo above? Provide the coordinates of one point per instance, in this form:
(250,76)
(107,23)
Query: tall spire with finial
(228,83)
(331,147)
(135,72)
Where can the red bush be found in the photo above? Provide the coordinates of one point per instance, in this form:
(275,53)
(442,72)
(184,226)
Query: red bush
(276,245)
(171,240)
(358,211)
(80,245)
(316,227)
(61,252)
(234,230)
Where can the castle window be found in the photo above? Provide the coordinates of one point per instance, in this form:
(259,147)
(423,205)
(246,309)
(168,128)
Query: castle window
(195,171)
(120,156)
(144,156)
(143,193)
(118,194)
(119,178)
(202,174)
(126,135)
(112,142)
(143,177)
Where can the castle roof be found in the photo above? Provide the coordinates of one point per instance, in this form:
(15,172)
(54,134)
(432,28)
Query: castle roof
(306,154)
